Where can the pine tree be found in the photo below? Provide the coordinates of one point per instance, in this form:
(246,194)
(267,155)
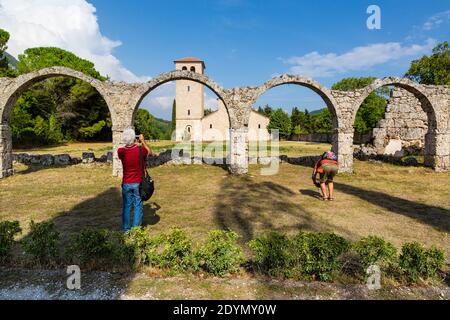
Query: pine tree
(174,115)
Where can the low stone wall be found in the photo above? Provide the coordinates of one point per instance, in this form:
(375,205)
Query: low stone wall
(369,153)
(328,138)
(47,160)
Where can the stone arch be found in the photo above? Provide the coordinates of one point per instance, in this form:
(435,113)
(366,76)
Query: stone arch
(420,92)
(416,89)
(23,82)
(15,87)
(148,87)
(322,91)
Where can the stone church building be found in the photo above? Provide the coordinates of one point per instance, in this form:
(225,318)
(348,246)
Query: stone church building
(191,122)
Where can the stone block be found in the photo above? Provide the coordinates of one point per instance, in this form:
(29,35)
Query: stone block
(88,157)
(393,146)
(62,160)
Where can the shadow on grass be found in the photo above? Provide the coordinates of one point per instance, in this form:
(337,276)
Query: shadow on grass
(436,217)
(104,211)
(35,168)
(250,208)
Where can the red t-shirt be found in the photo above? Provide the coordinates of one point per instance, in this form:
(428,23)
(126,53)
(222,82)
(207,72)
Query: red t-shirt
(132,173)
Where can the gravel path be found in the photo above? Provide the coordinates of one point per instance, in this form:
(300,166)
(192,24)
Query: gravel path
(19,284)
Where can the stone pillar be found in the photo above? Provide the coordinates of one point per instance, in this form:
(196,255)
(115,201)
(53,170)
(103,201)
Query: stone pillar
(117,143)
(238,162)
(343,147)
(6,165)
(437,151)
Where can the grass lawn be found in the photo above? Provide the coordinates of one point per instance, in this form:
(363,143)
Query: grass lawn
(399,203)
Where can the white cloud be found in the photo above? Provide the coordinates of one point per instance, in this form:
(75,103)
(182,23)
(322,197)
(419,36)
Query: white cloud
(437,20)
(319,65)
(160,100)
(211,101)
(68,24)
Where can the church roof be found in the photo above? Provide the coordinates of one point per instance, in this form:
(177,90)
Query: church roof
(191,59)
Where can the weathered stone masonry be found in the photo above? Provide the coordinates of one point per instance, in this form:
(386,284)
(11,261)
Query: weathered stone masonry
(123,100)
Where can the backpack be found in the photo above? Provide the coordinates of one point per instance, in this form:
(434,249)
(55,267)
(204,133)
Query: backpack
(147,185)
(329,155)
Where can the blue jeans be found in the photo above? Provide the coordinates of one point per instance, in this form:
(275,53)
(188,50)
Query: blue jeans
(131,196)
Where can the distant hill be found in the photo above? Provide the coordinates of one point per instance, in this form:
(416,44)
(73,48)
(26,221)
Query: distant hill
(317,111)
(12,61)
(163,125)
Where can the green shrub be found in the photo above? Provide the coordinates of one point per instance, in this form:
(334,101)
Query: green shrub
(122,251)
(271,254)
(311,255)
(91,247)
(146,249)
(418,263)
(220,254)
(177,253)
(374,250)
(8,230)
(42,243)
(316,255)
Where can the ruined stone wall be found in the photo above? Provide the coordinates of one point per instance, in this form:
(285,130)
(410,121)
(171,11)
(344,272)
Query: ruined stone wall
(404,120)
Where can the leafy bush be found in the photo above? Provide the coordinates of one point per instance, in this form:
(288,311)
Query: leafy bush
(374,250)
(146,249)
(271,253)
(122,252)
(177,253)
(42,243)
(8,230)
(220,254)
(418,263)
(91,247)
(316,254)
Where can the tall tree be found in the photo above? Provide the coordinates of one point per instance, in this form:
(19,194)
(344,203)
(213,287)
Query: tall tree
(281,121)
(43,57)
(434,69)
(5,68)
(268,110)
(174,115)
(72,109)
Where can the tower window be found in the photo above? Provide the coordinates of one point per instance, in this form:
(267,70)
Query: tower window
(210,126)
(184,68)
(188,129)
(259,126)
(189,112)
(193,69)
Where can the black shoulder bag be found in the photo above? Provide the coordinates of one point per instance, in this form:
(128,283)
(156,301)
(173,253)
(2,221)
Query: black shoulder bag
(147,186)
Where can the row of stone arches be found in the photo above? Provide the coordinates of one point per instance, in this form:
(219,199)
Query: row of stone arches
(123,100)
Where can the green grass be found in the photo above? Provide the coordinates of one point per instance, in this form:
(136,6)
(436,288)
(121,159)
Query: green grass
(401,204)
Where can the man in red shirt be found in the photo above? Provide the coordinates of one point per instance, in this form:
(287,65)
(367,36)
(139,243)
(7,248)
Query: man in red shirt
(132,164)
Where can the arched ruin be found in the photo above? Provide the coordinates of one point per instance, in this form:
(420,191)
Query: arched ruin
(123,100)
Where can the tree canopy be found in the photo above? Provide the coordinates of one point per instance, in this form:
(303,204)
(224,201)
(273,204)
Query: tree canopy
(281,121)
(434,69)
(44,57)
(5,68)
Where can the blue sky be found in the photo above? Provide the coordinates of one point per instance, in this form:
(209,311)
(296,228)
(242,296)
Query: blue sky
(243,42)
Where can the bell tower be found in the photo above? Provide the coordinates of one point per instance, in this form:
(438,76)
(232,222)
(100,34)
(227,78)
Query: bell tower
(190,99)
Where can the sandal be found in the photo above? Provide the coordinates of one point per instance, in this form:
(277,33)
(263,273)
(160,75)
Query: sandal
(330,199)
